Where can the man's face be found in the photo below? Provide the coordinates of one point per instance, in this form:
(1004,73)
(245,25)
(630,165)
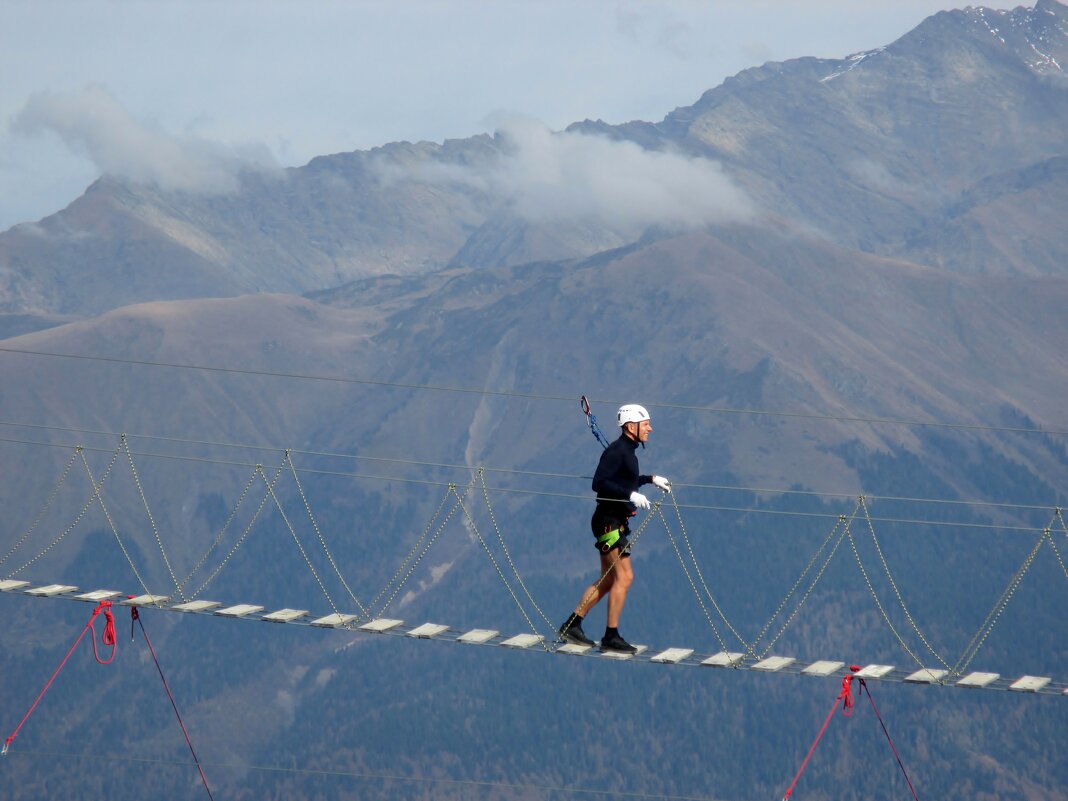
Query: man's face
(640,431)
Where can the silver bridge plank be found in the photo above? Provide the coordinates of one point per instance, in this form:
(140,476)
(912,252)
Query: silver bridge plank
(1019,686)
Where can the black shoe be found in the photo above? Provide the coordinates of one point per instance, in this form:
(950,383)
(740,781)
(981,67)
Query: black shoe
(572,632)
(616,643)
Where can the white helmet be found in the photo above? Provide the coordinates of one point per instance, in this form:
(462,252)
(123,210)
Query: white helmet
(631,413)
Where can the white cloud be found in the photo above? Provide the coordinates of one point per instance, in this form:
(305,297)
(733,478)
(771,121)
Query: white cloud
(548,176)
(91,122)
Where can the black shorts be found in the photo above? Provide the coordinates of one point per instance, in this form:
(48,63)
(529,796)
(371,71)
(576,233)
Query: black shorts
(601,523)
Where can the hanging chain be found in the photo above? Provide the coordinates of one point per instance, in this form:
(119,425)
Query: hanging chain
(224,529)
(1053,544)
(507,554)
(151,519)
(875,596)
(503,578)
(842,521)
(85,508)
(114,530)
(429,543)
(700,576)
(413,551)
(322,541)
(696,592)
(811,562)
(296,539)
(248,528)
(897,592)
(47,505)
(980,636)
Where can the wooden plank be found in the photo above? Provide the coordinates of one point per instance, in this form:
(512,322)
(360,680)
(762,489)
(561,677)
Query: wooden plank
(672,656)
(1029,684)
(978,679)
(335,620)
(623,655)
(522,641)
(98,595)
(196,606)
(774,663)
(285,615)
(927,676)
(240,610)
(428,630)
(50,590)
(8,585)
(381,624)
(824,667)
(478,636)
(874,671)
(724,659)
(574,648)
(146,600)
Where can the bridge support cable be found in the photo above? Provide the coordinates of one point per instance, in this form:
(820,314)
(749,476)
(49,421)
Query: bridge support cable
(508,556)
(412,559)
(47,505)
(257,473)
(97,488)
(225,527)
(841,528)
(500,573)
(322,540)
(983,632)
(897,592)
(693,585)
(151,518)
(296,539)
(412,552)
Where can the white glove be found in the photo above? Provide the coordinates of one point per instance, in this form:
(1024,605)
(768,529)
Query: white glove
(639,500)
(663,483)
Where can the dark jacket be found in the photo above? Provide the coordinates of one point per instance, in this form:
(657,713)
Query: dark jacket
(617,477)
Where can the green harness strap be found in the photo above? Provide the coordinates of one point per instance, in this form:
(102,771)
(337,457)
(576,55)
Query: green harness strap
(609,538)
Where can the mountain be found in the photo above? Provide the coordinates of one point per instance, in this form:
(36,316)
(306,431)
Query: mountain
(870,151)
(869,301)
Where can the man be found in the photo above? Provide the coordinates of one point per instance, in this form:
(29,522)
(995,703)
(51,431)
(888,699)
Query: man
(616,483)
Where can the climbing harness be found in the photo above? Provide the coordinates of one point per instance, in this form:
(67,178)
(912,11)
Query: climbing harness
(846,699)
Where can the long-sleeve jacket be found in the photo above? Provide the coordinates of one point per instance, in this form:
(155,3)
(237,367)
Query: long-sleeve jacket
(617,477)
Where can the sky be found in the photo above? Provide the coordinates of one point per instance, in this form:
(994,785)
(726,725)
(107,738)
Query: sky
(173,92)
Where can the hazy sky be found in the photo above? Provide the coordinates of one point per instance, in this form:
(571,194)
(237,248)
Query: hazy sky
(92,86)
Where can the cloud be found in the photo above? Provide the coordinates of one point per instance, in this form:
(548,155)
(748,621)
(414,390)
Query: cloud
(91,122)
(545,176)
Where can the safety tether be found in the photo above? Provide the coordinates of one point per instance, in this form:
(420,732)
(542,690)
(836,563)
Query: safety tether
(846,699)
(591,422)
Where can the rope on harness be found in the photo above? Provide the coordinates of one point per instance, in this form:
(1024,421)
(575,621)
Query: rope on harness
(136,617)
(107,637)
(846,699)
(591,422)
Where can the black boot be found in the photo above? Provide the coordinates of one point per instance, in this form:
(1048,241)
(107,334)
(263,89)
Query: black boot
(612,641)
(572,632)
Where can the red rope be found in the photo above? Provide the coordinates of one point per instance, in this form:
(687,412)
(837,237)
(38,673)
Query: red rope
(846,697)
(108,638)
(135,616)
